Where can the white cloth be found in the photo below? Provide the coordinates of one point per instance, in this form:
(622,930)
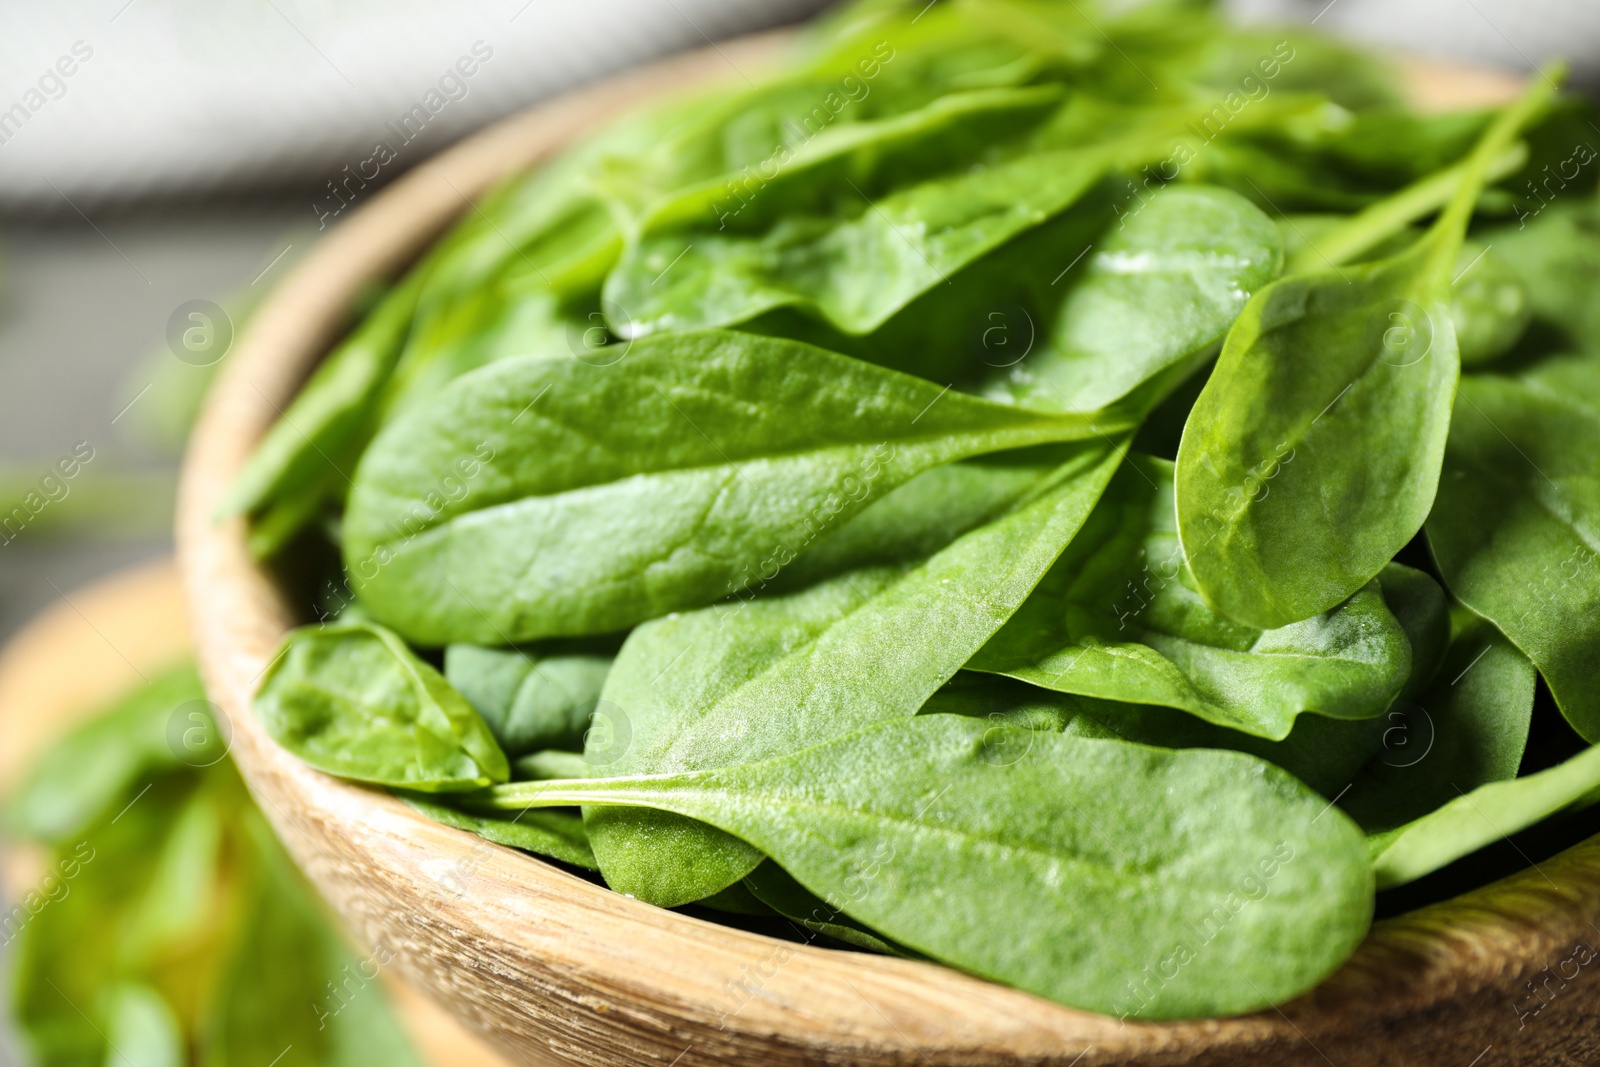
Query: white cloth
(1510,34)
(119,99)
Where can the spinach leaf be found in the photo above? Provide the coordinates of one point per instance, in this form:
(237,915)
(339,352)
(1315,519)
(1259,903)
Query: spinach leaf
(774,887)
(1570,380)
(1323,753)
(1351,370)
(1382,229)
(1116,618)
(321,435)
(807,174)
(557,834)
(1483,816)
(1220,884)
(351,699)
(292,980)
(1469,728)
(1156,294)
(915,519)
(1422,611)
(855,271)
(550,763)
(1489,305)
(856,266)
(529,701)
(1555,250)
(92,769)
(1516,528)
(70,947)
(744,681)
(538,498)
(142,1030)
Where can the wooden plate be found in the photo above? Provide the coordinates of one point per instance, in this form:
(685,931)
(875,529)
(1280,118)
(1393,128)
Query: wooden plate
(554,969)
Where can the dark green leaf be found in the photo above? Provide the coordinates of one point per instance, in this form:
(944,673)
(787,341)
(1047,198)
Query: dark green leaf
(1419,606)
(70,930)
(557,834)
(1489,305)
(774,887)
(1323,753)
(1555,249)
(1159,291)
(1468,729)
(293,988)
(530,701)
(1516,529)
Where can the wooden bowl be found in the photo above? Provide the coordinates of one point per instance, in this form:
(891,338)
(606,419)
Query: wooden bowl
(554,969)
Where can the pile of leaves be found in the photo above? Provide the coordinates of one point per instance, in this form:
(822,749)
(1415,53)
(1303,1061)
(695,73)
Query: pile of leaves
(169,928)
(1003,489)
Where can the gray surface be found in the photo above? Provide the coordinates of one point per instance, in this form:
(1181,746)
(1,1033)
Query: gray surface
(154,97)
(83,306)
(1509,34)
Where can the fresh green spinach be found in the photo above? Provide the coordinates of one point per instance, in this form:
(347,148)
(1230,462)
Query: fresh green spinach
(1351,370)
(1199,864)
(539,498)
(1116,618)
(1468,728)
(705,689)
(353,700)
(1516,528)
(529,700)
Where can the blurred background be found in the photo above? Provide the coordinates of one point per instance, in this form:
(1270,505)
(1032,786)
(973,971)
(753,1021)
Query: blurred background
(164,163)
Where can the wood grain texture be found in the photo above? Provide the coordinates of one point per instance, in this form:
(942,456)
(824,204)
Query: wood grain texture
(556,969)
(96,645)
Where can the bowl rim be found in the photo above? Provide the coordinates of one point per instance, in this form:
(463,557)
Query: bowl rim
(554,968)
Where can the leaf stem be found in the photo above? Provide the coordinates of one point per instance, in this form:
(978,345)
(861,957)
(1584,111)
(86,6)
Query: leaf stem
(1451,227)
(555,793)
(1365,229)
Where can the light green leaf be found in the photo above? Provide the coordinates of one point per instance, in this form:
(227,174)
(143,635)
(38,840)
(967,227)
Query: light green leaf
(90,772)
(1487,814)
(351,699)
(142,1030)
